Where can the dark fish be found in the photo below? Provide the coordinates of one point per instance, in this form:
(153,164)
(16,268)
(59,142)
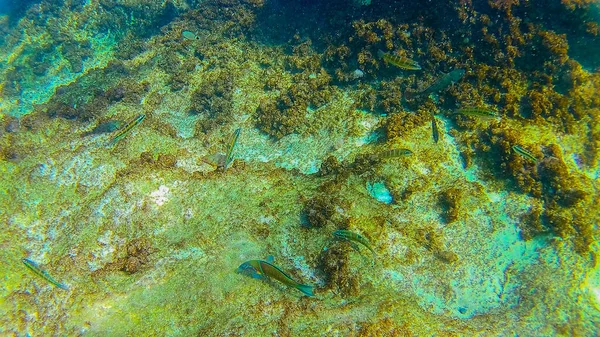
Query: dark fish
(260,269)
(232,143)
(105,127)
(440,84)
(34,267)
(434,130)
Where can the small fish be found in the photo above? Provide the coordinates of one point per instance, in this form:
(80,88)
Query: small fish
(232,143)
(441,83)
(395,153)
(186,34)
(520,150)
(34,267)
(399,61)
(434,130)
(265,270)
(105,127)
(478,112)
(123,131)
(353,238)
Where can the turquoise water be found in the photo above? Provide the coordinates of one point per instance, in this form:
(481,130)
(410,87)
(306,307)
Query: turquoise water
(457,140)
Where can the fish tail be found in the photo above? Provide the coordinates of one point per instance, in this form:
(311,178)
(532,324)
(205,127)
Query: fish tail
(306,289)
(380,54)
(62,286)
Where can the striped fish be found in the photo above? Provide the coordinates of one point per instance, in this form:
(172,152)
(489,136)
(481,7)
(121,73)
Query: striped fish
(260,269)
(123,131)
(232,143)
(520,150)
(353,237)
(35,268)
(440,84)
(395,153)
(399,61)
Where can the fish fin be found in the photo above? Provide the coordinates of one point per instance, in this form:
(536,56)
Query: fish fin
(306,289)
(270,259)
(257,275)
(354,246)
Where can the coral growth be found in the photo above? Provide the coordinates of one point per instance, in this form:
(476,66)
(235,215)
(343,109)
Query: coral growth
(136,257)
(558,186)
(286,114)
(331,165)
(400,125)
(213,101)
(495,144)
(450,200)
(131,257)
(77,101)
(339,277)
(322,210)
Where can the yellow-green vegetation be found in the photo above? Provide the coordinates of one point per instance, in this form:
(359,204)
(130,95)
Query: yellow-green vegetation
(148,235)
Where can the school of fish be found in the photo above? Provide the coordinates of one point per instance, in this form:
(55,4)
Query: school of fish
(265,269)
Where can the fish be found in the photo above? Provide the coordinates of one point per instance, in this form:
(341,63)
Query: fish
(352,237)
(434,130)
(441,83)
(399,61)
(105,127)
(35,268)
(478,112)
(265,270)
(123,131)
(395,153)
(520,150)
(186,34)
(232,143)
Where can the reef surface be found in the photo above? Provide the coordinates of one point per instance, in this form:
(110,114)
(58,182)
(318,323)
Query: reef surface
(122,181)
